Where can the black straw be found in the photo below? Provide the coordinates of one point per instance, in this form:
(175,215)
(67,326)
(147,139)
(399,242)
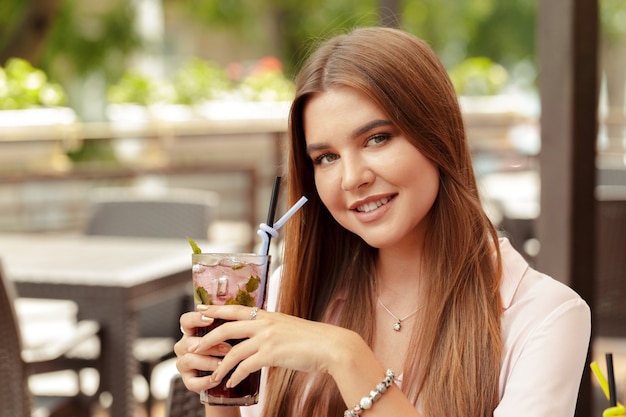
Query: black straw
(272,210)
(611,380)
(270,222)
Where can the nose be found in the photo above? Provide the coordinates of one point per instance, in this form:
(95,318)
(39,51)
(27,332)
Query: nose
(356,173)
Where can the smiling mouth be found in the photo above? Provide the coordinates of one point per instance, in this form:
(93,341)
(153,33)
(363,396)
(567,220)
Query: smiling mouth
(367,207)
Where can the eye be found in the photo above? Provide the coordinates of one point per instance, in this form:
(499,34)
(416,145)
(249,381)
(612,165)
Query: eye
(378,139)
(324,158)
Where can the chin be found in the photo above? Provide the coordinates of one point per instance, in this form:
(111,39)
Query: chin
(378,243)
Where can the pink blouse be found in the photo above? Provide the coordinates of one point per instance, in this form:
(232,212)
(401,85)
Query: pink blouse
(546,329)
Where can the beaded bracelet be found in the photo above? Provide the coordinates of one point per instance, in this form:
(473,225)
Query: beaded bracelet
(367,402)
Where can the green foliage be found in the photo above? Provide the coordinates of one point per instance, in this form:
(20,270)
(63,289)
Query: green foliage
(446,25)
(199,80)
(10,15)
(295,23)
(23,86)
(99,152)
(267,86)
(613,19)
(507,34)
(478,76)
(138,88)
(83,40)
(502,31)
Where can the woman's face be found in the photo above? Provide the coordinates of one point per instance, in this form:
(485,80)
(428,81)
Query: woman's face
(373,181)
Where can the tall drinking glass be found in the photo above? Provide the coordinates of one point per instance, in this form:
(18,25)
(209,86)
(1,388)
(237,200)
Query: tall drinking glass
(223,279)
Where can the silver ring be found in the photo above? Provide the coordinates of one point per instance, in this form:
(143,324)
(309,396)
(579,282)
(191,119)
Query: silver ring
(183,331)
(253,313)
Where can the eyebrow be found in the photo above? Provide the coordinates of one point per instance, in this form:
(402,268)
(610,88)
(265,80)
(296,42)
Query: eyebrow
(369,126)
(355,134)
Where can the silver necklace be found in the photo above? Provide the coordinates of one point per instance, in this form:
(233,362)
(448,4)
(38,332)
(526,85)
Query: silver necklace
(397,326)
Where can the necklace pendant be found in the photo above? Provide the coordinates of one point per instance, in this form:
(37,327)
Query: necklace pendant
(397,326)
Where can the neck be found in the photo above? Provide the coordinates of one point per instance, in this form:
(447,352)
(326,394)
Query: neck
(398,276)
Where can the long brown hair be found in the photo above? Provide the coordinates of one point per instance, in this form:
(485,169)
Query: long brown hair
(453,361)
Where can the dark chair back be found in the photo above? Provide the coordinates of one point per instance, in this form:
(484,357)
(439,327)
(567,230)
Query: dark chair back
(181,402)
(171,213)
(610,289)
(15,398)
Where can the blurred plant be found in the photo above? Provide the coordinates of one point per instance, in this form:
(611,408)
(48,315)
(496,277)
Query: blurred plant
(198,80)
(446,25)
(23,86)
(98,153)
(502,31)
(141,89)
(612,19)
(266,82)
(85,39)
(478,76)
(284,28)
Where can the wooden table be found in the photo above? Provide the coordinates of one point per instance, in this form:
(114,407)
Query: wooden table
(110,279)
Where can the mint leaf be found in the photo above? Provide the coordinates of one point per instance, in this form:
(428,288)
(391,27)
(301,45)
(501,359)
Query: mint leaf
(194,246)
(253,283)
(201,296)
(244,298)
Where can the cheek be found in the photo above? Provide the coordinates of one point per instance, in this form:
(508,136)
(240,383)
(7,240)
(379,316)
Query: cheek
(326,188)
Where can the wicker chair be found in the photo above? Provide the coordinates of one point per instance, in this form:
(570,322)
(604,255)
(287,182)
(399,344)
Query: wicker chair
(181,402)
(162,213)
(18,363)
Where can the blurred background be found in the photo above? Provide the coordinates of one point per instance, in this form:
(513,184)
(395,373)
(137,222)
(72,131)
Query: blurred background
(163,94)
(90,88)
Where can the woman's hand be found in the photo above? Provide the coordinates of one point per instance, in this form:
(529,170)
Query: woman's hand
(272,339)
(188,363)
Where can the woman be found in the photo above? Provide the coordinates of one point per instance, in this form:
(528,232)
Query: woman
(393,264)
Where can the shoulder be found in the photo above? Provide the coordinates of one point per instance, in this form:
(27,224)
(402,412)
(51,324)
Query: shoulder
(523,284)
(532,299)
(546,328)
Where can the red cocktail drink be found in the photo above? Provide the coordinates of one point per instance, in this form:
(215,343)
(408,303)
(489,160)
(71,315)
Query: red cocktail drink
(224,279)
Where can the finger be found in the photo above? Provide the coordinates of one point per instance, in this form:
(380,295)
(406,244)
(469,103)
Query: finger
(181,347)
(190,344)
(244,359)
(232,330)
(196,371)
(233,312)
(198,383)
(192,320)
(243,370)
(194,363)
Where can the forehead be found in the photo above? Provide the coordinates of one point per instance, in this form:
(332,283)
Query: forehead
(336,111)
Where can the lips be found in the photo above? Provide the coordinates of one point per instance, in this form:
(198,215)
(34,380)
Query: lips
(372,205)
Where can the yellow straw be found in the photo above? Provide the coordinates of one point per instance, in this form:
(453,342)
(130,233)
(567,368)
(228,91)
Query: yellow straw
(617,411)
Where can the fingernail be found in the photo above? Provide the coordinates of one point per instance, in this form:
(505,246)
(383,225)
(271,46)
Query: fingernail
(206,318)
(202,307)
(224,348)
(215,376)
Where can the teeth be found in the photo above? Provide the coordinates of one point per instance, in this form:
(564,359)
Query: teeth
(373,205)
